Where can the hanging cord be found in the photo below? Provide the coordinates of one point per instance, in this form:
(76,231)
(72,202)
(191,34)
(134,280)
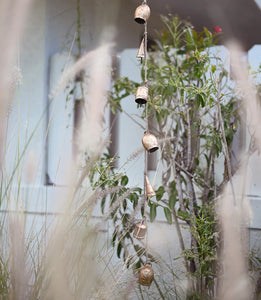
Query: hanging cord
(146,70)
(145,203)
(147,129)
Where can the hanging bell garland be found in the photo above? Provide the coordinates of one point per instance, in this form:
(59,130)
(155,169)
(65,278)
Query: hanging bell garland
(146,275)
(140,230)
(149,189)
(142,13)
(150,142)
(141,96)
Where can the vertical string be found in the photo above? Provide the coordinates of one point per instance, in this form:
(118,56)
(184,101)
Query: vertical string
(145,200)
(145,175)
(146,108)
(145,51)
(147,128)
(146,70)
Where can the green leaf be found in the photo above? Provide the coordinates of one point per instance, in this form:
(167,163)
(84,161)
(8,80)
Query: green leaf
(200,100)
(184,215)
(124,204)
(153,212)
(137,248)
(168,215)
(113,110)
(196,160)
(103,204)
(138,190)
(172,201)
(124,180)
(207,33)
(138,265)
(181,52)
(213,68)
(142,210)
(125,219)
(207,159)
(114,236)
(159,193)
(134,198)
(172,185)
(135,203)
(119,250)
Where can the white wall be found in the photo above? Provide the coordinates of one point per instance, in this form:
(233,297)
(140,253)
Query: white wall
(51,28)
(95,16)
(29,102)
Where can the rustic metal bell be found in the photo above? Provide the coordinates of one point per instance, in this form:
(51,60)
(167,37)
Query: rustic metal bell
(142,13)
(149,189)
(141,96)
(150,142)
(146,275)
(140,230)
(141,52)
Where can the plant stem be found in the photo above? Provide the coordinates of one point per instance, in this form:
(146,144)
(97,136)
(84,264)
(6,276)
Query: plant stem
(140,289)
(180,193)
(225,147)
(181,241)
(79,28)
(158,288)
(189,155)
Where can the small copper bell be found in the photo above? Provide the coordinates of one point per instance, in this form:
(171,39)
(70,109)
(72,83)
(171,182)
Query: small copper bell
(141,52)
(146,275)
(142,13)
(140,230)
(141,96)
(150,142)
(149,189)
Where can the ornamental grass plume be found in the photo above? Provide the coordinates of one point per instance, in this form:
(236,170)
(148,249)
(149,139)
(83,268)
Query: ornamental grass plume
(70,268)
(53,255)
(234,217)
(235,211)
(12,20)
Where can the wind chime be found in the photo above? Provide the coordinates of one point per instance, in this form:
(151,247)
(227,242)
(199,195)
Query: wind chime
(149,141)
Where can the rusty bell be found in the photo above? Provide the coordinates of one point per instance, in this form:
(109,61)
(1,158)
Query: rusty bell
(142,13)
(150,142)
(141,96)
(140,230)
(146,275)
(141,52)
(149,189)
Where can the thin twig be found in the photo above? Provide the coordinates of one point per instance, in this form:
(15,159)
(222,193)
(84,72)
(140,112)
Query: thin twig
(227,157)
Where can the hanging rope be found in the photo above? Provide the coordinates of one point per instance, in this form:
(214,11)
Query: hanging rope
(146,71)
(142,14)
(147,127)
